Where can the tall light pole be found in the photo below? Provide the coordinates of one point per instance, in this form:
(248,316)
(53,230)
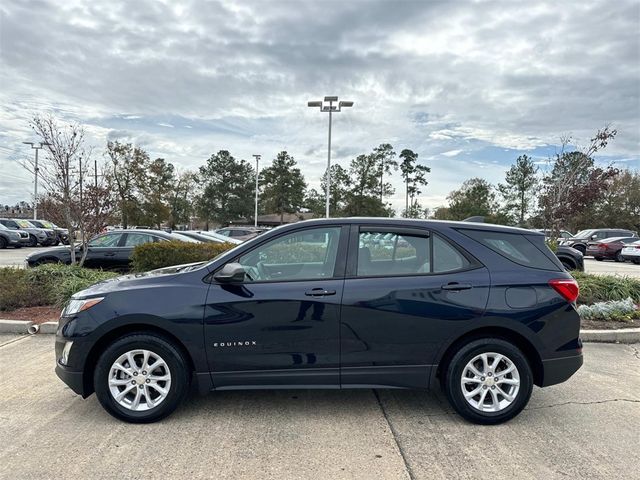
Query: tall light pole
(35,171)
(255,215)
(331,108)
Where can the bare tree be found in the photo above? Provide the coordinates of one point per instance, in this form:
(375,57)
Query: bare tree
(573,181)
(62,173)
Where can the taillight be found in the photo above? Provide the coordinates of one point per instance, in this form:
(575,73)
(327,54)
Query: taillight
(566,287)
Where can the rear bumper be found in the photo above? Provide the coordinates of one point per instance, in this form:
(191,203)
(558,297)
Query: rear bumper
(558,370)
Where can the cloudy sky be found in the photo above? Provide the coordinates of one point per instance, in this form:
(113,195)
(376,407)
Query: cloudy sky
(467,85)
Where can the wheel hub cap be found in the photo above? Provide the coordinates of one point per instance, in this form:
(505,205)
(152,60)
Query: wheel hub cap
(490,382)
(139,380)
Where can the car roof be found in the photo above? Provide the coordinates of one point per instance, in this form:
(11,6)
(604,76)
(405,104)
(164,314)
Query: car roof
(419,223)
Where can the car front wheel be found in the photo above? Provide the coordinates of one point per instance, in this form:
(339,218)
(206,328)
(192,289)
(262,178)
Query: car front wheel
(488,381)
(141,378)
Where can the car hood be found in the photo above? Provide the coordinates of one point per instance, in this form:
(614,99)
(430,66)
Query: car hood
(139,280)
(52,251)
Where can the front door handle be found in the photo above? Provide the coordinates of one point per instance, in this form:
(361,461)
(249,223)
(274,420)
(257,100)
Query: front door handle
(109,254)
(456,286)
(319,292)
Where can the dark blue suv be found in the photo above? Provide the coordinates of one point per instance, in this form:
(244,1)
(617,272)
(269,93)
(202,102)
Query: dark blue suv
(483,311)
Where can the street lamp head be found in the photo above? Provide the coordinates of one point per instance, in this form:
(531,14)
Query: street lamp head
(331,99)
(345,104)
(314,104)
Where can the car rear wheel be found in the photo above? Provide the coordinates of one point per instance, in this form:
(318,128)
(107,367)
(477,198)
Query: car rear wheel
(33,241)
(3,243)
(488,381)
(141,378)
(619,257)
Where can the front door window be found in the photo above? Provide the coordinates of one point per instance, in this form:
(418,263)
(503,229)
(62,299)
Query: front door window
(302,255)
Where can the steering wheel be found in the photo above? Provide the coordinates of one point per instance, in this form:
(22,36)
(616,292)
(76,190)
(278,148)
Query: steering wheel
(262,272)
(252,273)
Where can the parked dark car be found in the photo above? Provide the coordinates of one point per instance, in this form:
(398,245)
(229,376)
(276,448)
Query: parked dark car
(42,236)
(240,233)
(485,311)
(582,238)
(110,251)
(609,248)
(62,234)
(12,238)
(571,258)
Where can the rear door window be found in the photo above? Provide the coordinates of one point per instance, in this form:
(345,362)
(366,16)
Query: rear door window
(515,247)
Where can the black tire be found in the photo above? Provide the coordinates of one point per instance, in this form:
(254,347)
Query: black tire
(581,248)
(636,262)
(33,241)
(619,258)
(598,258)
(453,376)
(568,265)
(178,368)
(3,243)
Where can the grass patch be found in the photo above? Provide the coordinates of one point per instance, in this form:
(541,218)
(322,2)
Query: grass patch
(50,284)
(606,288)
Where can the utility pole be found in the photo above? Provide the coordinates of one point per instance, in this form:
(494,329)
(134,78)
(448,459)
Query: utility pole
(255,215)
(95,172)
(35,171)
(330,109)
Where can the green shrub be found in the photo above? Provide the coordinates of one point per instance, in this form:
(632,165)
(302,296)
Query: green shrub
(604,288)
(150,256)
(50,284)
(16,291)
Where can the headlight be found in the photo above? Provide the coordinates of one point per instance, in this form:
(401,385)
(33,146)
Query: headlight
(77,305)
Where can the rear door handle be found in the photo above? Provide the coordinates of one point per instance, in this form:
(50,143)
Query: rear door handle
(319,292)
(109,254)
(456,286)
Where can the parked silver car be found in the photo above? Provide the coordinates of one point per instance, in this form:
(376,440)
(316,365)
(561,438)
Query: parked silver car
(42,236)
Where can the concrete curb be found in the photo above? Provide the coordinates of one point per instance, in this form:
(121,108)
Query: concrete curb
(624,335)
(14,326)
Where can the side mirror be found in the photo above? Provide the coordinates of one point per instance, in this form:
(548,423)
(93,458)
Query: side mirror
(230,273)
(593,237)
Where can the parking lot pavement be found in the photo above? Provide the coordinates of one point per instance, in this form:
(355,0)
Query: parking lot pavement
(586,428)
(607,267)
(14,257)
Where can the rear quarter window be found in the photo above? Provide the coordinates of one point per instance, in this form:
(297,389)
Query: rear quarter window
(526,250)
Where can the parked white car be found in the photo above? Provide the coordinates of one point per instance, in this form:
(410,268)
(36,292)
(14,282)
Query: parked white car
(631,252)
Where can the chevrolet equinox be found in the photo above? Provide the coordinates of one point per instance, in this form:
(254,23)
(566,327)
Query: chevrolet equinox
(482,311)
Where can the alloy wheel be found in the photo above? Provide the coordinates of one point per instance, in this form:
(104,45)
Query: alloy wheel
(490,382)
(139,380)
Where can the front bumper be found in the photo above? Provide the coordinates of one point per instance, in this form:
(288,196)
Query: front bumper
(558,370)
(73,379)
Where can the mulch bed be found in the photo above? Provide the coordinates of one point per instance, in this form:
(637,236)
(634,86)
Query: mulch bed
(33,314)
(607,325)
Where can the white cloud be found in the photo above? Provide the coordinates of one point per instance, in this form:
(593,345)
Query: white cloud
(436,77)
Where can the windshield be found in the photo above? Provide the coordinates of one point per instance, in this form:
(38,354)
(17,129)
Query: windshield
(183,238)
(584,233)
(46,224)
(24,224)
(2,227)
